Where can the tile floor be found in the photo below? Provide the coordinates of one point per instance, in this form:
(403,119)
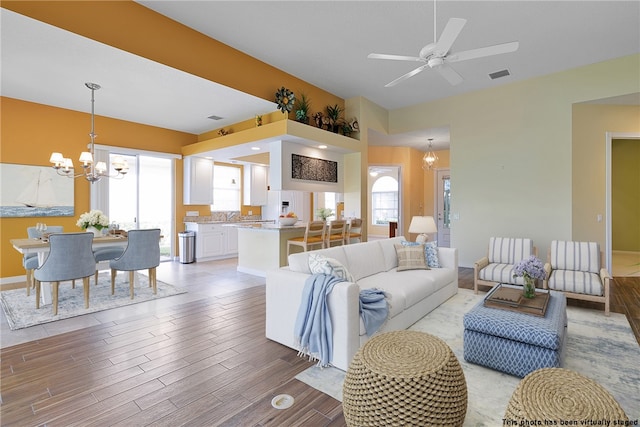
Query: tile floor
(202,280)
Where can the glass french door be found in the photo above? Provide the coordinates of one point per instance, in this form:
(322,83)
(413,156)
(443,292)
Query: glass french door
(144,198)
(443,207)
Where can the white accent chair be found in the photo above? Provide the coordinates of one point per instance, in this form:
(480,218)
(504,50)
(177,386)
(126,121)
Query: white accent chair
(503,255)
(574,268)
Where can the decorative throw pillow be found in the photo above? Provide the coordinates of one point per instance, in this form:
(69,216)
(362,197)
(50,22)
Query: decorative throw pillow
(431,253)
(411,257)
(320,264)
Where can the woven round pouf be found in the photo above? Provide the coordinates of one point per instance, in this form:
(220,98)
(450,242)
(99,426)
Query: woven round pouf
(404,378)
(561,395)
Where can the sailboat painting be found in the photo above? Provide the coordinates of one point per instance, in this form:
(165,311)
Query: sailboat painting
(34,191)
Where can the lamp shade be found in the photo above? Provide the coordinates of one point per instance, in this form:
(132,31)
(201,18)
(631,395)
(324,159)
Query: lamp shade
(423,225)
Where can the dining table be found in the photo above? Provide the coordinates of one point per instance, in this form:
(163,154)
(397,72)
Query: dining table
(41,248)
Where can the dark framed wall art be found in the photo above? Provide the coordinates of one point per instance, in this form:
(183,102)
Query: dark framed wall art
(311,169)
(34,191)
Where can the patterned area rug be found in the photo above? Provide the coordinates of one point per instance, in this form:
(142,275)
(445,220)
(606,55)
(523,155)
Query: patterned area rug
(21,311)
(599,347)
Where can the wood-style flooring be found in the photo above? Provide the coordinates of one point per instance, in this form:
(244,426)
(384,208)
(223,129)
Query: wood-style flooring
(202,363)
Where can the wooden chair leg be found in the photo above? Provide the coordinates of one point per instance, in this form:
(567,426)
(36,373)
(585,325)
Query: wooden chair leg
(37,283)
(55,297)
(152,280)
(85,283)
(73,284)
(131,276)
(29,280)
(113,280)
(96,278)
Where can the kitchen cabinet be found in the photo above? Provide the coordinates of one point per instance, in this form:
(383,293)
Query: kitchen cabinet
(214,241)
(198,181)
(255,185)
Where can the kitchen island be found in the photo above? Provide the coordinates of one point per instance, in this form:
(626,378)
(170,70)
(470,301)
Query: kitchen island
(263,247)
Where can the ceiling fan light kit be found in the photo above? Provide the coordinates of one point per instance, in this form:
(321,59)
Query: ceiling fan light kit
(437,55)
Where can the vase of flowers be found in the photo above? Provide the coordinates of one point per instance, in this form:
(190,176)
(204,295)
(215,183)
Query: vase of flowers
(529,269)
(324,213)
(93,221)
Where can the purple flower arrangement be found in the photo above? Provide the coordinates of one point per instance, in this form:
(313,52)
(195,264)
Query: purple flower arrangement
(531,267)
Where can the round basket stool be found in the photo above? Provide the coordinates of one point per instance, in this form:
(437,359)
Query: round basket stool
(404,378)
(556,394)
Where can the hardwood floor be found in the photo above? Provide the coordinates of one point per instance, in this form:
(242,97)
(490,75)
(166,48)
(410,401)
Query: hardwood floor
(201,363)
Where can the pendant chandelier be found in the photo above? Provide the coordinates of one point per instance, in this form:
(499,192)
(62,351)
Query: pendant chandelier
(92,171)
(429,160)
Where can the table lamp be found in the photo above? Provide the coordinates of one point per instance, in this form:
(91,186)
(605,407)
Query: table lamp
(422,225)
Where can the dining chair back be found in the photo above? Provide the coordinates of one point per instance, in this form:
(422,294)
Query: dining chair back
(30,261)
(142,253)
(336,233)
(354,231)
(313,237)
(70,257)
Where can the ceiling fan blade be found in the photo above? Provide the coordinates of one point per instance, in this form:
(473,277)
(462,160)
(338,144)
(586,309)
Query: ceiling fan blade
(483,51)
(449,74)
(393,57)
(406,76)
(449,36)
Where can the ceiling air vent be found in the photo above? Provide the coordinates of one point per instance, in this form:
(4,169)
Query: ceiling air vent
(498,74)
(214,117)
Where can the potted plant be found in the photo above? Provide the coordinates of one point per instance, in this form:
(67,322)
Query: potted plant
(346,128)
(302,112)
(333,112)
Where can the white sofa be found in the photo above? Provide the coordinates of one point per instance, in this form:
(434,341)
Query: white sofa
(413,293)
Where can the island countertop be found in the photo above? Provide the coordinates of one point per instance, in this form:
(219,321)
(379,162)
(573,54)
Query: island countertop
(263,247)
(269,226)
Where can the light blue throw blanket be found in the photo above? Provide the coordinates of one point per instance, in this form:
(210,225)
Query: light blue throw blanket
(313,330)
(313,325)
(373,309)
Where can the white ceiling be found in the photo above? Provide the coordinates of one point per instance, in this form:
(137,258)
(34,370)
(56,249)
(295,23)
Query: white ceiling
(322,42)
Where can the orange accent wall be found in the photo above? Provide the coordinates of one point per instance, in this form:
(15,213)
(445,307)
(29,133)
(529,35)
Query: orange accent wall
(30,132)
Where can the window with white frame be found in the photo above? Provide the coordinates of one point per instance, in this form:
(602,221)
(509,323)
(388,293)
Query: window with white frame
(384,200)
(226,188)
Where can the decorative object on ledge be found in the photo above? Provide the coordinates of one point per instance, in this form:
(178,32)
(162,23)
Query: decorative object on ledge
(223,132)
(285,99)
(333,112)
(34,191)
(311,169)
(92,171)
(355,126)
(302,111)
(317,118)
(429,160)
(258,120)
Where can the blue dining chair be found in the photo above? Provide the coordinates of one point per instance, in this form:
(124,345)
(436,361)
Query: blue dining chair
(30,261)
(70,257)
(104,254)
(142,252)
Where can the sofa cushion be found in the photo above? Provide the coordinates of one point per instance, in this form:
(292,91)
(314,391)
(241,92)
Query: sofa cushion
(507,250)
(364,259)
(579,282)
(389,251)
(320,264)
(411,257)
(404,288)
(577,256)
(500,273)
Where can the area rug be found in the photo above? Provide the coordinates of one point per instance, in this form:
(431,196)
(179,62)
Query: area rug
(599,347)
(21,311)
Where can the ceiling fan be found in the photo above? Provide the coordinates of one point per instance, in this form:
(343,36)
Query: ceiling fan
(436,55)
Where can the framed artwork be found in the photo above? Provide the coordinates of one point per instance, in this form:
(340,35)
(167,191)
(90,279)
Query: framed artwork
(311,169)
(34,191)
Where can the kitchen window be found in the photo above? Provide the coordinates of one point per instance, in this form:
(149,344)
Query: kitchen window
(226,188)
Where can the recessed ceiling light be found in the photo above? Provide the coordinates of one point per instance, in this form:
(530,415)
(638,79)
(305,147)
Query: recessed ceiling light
(322,147)
(255,148)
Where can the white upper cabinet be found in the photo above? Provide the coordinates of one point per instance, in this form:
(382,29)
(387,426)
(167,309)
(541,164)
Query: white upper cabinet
(198,181)
(255,185)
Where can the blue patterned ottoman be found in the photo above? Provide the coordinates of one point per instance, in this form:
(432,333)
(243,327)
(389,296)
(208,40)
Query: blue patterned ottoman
(516,343)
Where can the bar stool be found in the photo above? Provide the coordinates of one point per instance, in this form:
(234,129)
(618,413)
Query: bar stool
(313,236)
(336,233)
(355,230)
